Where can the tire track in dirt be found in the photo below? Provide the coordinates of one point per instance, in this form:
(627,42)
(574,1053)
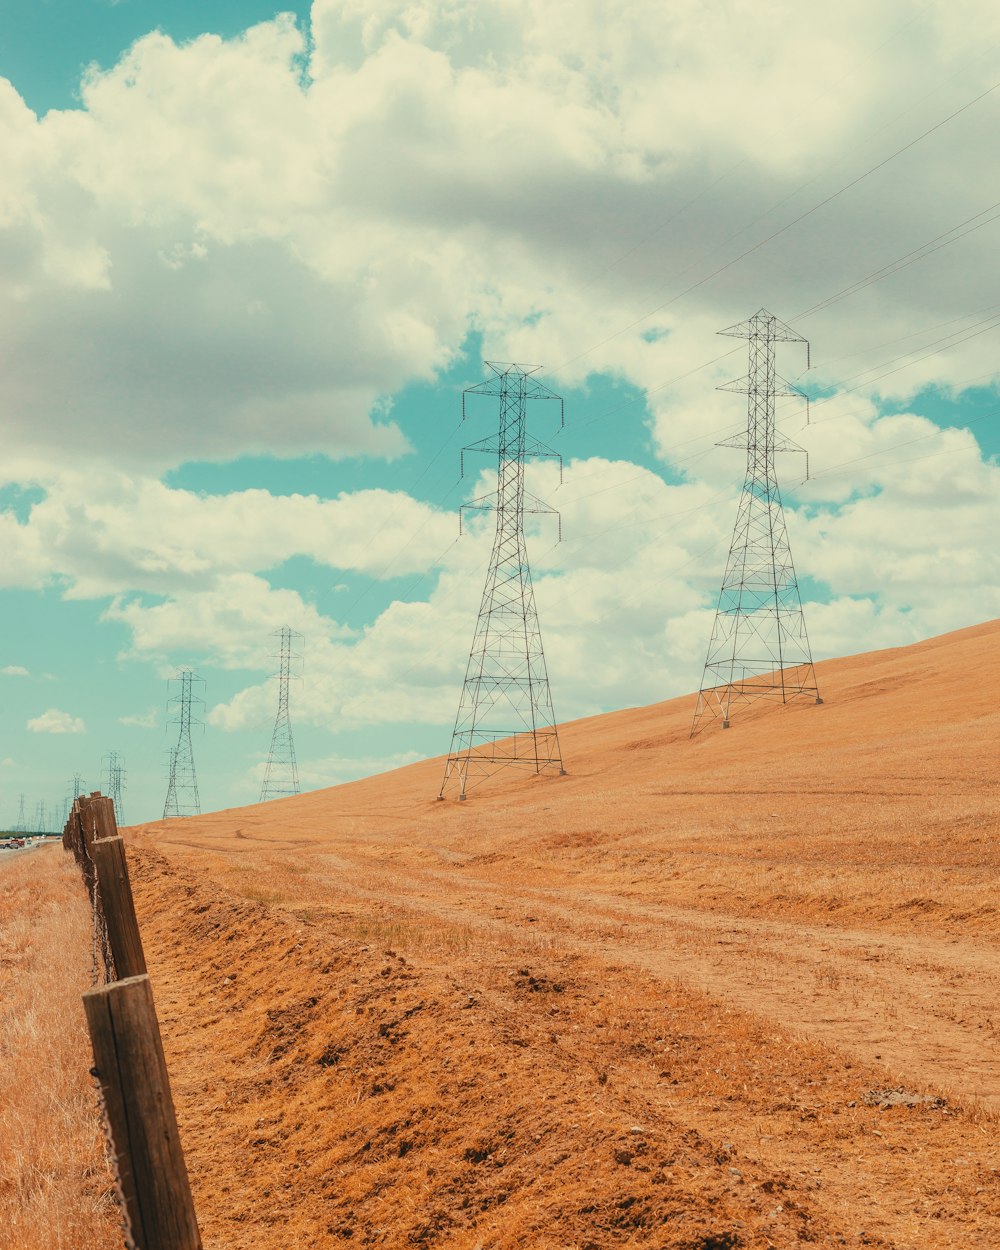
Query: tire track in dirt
(926,1007)
(329,1088)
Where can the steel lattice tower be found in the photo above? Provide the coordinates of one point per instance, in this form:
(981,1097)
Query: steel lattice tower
(115,784)
(74,788)
(759,646)
(21,826)
(505,715)
(281,776)
(182,787)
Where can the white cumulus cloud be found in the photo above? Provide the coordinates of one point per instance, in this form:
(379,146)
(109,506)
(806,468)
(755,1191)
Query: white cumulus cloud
(142,720)
(56,722)
(247,247)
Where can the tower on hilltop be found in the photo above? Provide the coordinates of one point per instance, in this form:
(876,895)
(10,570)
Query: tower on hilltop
(182,785)
(505,717)
(281,776)
(759,646)
(74,788)
(114,784)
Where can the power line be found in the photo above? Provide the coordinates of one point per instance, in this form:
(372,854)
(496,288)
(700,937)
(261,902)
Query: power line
(919,438)
(910,258)
(829,199)
(662,224)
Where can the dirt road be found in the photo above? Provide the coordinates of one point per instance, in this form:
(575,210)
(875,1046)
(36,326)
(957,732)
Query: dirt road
(926,1007)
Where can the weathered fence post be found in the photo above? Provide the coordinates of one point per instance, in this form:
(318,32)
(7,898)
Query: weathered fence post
(88,831)
(129,1064)
(71,837)
(104,821)
(84,839)
(117,904)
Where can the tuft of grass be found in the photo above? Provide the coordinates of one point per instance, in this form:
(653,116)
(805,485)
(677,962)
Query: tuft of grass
(257,894)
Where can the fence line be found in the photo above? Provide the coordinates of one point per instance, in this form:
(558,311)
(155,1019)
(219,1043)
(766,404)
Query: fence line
(154,1191)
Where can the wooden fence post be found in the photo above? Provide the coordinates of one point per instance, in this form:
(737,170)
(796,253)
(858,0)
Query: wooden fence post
(118,906)
(104,821)
(129,1064)
(88,821)
(71,837)
(83,840)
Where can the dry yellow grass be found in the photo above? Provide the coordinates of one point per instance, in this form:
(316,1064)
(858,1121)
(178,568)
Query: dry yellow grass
(734,991)
(55,1187)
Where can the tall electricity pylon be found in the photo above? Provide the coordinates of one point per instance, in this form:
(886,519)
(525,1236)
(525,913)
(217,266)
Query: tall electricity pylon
(182,787)
(505,715)
(281,776)
(115,783)
(759,646)
(22,825)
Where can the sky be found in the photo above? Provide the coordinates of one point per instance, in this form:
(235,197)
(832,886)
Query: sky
(250,256)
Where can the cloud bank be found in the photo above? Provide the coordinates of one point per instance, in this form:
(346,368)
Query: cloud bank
(249,246)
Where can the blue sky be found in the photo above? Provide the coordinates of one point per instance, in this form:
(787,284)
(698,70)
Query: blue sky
(249,262)
(47,44)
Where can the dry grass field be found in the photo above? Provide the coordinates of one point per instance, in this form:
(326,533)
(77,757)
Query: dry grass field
(736,992)
(55,1187)
(739,990)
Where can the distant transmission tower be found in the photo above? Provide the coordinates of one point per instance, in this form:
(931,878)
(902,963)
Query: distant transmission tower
(281,776)
(505,715)
(170,805)
(40,818)
(74,789)
(115,783)
(22,825)
(759,646)
(182,786)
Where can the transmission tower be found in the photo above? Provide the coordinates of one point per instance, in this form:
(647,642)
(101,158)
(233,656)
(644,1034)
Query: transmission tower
(170,805)
(182,786)
(505,715)
(115,783)
(40,818)
(22,824)
(281,776)
(759,646)
(74,788)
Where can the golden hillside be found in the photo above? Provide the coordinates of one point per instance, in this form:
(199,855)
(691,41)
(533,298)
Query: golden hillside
(732,991)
